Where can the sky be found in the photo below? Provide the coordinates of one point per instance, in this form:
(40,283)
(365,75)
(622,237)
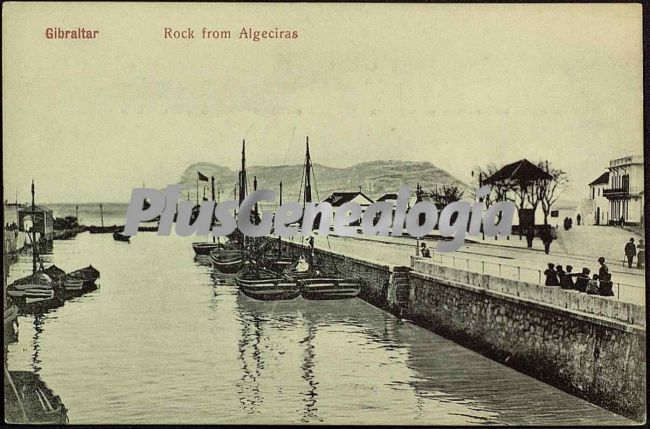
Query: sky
(454,85)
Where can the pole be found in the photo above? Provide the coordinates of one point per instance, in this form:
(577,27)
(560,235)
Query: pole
(197,189)
(101,214)
(279,237)
(212,221)
(33,232)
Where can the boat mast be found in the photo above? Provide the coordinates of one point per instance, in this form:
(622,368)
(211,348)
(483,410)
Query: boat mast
(101,214)
(242,181)
(33,231)
(279,236)
(212,221)
(307,196)
(257,212)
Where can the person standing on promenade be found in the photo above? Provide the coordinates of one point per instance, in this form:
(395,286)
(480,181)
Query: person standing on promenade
(582,279)
(530,236)
(578,219)
(551,276)
(547,238)
(424,251)
(603,271)
(592,286)
(640,256)
(566,282)
(630,252)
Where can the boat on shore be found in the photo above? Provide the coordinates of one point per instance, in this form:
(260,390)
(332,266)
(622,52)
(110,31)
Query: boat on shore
(105,229)
(28,400)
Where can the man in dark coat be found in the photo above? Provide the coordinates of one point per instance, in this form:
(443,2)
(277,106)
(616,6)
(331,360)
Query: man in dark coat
(551,276)
(578,219)
(547,238)
(530,236)
(566,282)
(630,252)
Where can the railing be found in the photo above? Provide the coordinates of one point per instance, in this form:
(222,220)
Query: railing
(515,272)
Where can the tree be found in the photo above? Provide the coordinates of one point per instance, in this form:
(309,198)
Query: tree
(548,191)
(451,193)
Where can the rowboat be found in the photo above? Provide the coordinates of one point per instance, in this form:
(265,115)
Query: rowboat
(87,276)
(329,288)
(35,288)
(228,261)
(118,236)
(29,400)
(204,248)
(262,284)
(73,284)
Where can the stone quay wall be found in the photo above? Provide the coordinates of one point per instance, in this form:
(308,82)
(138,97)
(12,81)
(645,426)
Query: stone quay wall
(590,346)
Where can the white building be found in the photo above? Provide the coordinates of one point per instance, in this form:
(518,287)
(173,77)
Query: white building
(599,205)
(625,189)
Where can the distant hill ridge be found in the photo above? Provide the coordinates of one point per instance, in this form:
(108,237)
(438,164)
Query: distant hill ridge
(374,177)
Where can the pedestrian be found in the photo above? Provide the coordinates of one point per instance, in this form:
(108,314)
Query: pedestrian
(560,274)
(640,256)
(530,236)
(424,251)
(566,223)
(621,221)
(578,218)
(310,242)
(582,280)
(547,238)
(593,287)
(630,252)
(603,271)
(570,222)
(566,282)
(551,276)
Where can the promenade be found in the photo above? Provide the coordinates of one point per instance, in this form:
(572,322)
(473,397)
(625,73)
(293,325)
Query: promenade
(579,247)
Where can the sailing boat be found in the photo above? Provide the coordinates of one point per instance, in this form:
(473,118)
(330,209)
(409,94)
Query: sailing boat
(204,248)
(29,400)
(230,258)
(313,283)
(37,289)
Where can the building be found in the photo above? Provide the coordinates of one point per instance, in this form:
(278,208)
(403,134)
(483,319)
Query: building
(599,205)
(43,221)
(337,199)
(625,190)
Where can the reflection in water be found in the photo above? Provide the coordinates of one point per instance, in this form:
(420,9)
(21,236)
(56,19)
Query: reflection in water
(311,410)
(168,340)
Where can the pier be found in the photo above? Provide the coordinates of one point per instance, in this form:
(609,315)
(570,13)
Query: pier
(590,346)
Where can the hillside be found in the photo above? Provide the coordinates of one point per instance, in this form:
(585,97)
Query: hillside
(375,178)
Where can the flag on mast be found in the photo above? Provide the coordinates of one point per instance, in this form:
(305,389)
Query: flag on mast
(203,177)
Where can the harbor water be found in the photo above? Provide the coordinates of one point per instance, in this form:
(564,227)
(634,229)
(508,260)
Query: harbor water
(166,340)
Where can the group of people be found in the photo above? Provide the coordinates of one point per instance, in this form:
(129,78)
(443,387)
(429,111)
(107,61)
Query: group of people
(547,234)
(598,284)
(568,223)
(632,251)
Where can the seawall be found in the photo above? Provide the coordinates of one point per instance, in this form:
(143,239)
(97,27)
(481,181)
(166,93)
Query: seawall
(590,346)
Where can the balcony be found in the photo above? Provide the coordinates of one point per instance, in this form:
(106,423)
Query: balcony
(623,193)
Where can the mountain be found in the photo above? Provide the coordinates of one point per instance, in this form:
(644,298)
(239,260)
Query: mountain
(375,178)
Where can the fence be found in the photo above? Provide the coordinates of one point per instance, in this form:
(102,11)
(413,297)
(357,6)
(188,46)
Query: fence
(631,293)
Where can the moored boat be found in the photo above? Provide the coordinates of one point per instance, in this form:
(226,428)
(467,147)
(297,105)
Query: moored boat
(33,289)
(329,287)
(86,276)
(119,236)
(262,284)
(29,400)
(204,248)
(228,261)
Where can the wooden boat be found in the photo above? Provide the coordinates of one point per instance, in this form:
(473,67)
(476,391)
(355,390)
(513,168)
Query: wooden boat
(204,248)
(29,400)
(105,229)
(329,287)
(119,236)
(35,288)
(263,284)
(228,261)
(87,276)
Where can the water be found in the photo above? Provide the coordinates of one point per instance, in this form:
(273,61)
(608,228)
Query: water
(165,340)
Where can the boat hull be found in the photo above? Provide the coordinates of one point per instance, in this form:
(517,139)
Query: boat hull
(204,249)
(227,261)
(268,289)
(329,288)
(40,404)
